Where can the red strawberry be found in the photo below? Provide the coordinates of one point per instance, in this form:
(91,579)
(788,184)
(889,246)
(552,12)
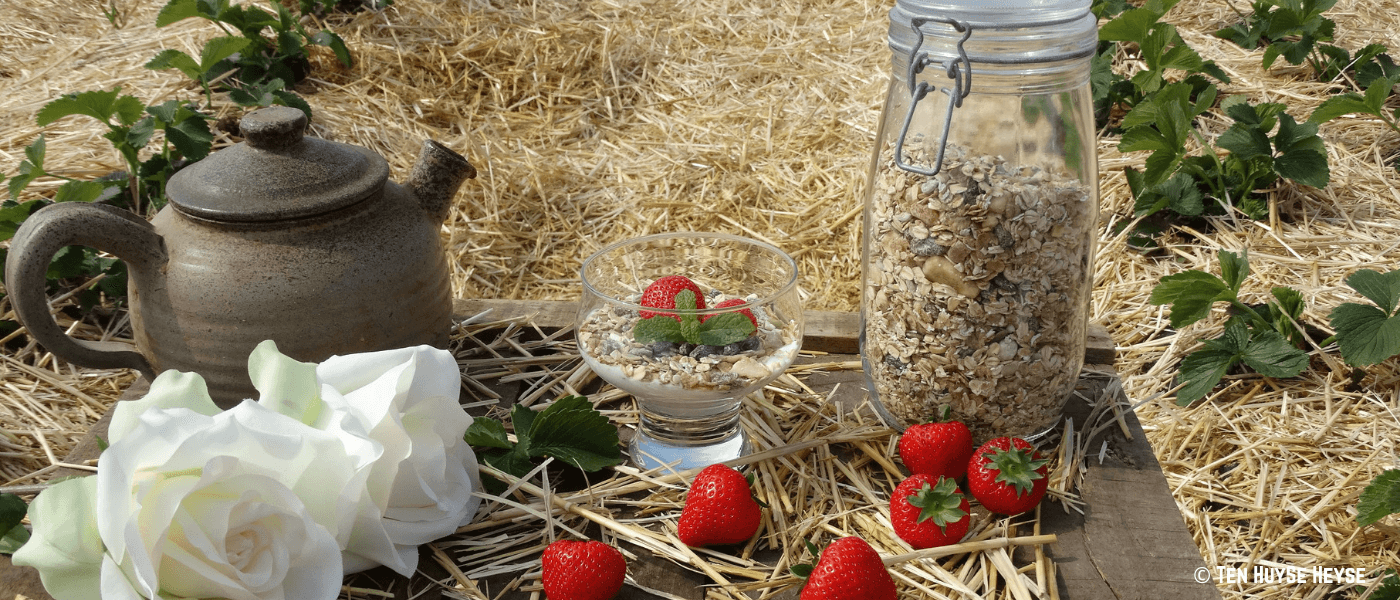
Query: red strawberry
(928,512)
(849,569)
(719,509)
(733,302)
(937,449)
(662,294)
(588,570)
(1007,476)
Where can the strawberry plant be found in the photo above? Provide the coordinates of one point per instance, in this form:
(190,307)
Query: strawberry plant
(1156,44)
(1264,338)
(254,60)
(570,429)
(1369,333)
(1372,102)
(1264,144)
(1289,28)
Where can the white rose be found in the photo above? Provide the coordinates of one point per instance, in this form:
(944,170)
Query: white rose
(407,402)
(246,504)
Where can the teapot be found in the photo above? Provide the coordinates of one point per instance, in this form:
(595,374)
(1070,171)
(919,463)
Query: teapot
(285,237)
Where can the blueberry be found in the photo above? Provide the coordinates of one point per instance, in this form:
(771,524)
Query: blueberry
(703,350)
(663,348)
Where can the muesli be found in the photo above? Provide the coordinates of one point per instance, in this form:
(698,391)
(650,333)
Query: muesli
(976,292)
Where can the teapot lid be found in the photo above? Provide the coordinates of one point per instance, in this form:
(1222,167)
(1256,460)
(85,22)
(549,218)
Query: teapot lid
(276,173)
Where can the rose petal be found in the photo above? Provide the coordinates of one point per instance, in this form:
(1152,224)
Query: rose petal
(285,385)
(171,389)
(64,545)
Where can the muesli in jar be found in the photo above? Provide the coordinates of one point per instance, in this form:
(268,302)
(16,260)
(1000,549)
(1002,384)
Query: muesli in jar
(976,291)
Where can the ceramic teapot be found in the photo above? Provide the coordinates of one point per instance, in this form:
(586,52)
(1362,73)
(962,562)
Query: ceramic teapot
(295,239)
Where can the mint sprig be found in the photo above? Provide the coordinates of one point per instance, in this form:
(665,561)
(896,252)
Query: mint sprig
(1369,333)
(570,430)
(1262,337)
(717,330)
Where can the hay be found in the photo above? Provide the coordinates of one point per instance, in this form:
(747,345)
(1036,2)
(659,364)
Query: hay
(596,121)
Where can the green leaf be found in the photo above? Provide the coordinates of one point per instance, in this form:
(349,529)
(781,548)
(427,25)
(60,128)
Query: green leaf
(1380,288)
(1365,335)
(218,49)
(725,328)
(1271,355)
(1234,267)
(572,430)
(522,419)
(1201,370)
(12,511)
(1190,294)
(1131,26)
(1245,142)
(286,98)
(138,135)
(487,433)
(1337,106)
(514,461)
(79,191)
(1308,167)
(186,130)
(101,105)
(36,150)
(11,217)
(336,44)
(1380,499)
(661,328)
(177,10)
(175,59)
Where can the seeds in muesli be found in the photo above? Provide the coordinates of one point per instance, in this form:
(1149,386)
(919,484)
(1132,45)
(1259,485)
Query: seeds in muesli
(976,293)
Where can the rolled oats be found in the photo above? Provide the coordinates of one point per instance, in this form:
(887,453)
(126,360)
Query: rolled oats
(976,292)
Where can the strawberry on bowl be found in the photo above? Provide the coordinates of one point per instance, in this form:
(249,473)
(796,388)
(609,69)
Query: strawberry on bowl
(937,449)
(929,512)
(662,294)
(589,570)
(1007,476)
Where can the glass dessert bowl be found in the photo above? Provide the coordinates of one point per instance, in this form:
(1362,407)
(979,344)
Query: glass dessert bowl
(689,324)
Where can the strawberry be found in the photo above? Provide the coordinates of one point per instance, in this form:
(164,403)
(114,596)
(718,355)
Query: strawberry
(849,569)
(662,294)
(733,302)
(1007,476)
(719,509)
(929,512)
(939,449)
(588,570)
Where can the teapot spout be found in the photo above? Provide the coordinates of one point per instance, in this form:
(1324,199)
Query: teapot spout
(436,177)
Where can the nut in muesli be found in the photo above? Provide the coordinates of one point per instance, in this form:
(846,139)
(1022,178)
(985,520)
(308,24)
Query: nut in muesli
(976,295)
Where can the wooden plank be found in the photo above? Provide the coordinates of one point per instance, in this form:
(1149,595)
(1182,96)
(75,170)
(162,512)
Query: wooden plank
(823,331)
(1131,541)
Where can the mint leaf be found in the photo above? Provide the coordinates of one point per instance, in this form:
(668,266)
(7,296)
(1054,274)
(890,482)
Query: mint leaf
(1380,288)
(1190,294)
(725,328)
(487,433)
(573,431)
(1380,499)
(661,328)
(1365,335)
(1271,355)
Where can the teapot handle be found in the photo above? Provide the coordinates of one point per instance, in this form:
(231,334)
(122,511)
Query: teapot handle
(99,226)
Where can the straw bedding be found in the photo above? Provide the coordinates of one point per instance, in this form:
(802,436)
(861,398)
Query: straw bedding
(591,122)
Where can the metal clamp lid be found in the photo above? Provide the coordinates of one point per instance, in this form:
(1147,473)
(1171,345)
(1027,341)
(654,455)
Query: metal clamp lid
(959,69)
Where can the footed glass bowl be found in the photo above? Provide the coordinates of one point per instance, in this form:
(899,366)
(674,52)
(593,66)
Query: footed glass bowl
(690,351)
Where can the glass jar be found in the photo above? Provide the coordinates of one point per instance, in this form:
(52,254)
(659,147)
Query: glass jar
(981,215)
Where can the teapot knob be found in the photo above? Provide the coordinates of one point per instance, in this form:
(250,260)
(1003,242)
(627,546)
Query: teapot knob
(273,128)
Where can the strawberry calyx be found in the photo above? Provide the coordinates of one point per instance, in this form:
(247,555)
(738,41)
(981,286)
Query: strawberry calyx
(803,570)
(1015,467)
(940,503)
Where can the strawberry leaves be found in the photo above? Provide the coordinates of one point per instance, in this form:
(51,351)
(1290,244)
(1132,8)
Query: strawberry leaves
(1263,338)
(1369,334)
(570,430)
(717,330)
